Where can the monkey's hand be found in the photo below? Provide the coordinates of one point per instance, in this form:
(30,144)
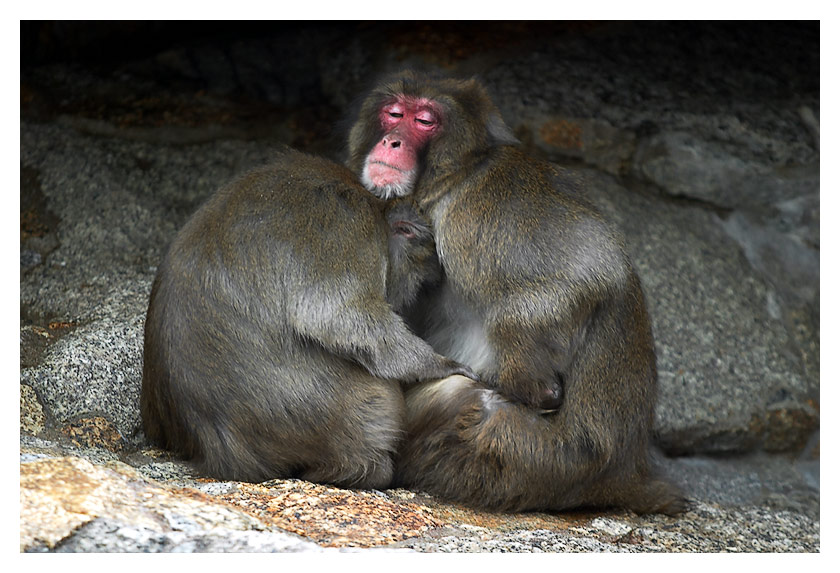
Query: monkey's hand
(410,359)
(463,370)
(544,397)
(446,369)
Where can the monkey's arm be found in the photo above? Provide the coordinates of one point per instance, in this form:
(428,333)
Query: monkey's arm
(545,271)
(363,327)
(536,334)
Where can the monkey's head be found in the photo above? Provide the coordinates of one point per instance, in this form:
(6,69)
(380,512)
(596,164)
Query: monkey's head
(416,127)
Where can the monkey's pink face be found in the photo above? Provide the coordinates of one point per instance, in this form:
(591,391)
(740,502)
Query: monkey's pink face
(408,124)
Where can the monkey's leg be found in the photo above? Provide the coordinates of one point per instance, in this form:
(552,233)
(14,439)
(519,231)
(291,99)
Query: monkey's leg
(315,417)
(645,494)
(468,444)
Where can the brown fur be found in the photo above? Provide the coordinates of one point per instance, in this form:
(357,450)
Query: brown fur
(270,349)
(542,302)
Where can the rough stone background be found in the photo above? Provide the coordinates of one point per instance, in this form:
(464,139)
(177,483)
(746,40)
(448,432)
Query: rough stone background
(699,140)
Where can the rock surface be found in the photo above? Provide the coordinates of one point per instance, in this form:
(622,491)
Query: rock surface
(83,507)
(706,157)
(70,504)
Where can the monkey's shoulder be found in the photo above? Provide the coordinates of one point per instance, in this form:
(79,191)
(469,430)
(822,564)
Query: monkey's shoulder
(299,191)
(515,187)
(538,217)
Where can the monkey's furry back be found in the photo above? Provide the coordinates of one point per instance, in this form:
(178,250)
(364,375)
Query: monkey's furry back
(248,364)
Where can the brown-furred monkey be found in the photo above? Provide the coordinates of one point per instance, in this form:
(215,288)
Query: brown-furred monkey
(539,299)
(270,349)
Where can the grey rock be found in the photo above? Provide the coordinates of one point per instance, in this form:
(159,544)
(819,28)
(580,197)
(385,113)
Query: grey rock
(724,360)
(29,259)
(33,448)
(96,370)
(746,504)
(594,141)
(787,263)
(118,208)
(88,513)
(104,535)
(755,480)
(170,470)
(775,221)
(812,122)
(686,166)
(647,77)
(706,528)
(32,419)
(799,217)
(607,147)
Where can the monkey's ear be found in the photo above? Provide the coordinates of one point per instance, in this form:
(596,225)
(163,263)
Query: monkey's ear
(499,132)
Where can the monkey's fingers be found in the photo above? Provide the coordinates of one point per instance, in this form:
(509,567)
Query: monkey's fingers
(465,371)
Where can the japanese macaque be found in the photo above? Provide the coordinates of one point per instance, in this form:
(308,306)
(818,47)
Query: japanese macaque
(538,298)
(271,350)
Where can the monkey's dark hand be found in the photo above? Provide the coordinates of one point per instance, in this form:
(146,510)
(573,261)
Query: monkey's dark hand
(453,369)
(551,399)
(441,368)
(464,371)
(546,399)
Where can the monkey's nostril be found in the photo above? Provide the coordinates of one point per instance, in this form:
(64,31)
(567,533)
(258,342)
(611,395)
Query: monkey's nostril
(395,144)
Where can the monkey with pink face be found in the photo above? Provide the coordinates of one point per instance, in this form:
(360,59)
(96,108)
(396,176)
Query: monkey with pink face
(539,299)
